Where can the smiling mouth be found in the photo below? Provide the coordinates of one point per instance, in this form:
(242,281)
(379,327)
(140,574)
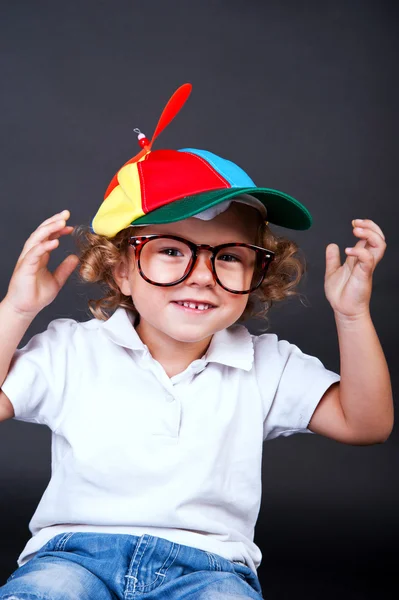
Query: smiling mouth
(198,306)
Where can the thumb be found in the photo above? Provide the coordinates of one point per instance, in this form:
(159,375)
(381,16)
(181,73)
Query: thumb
(64,270)
(333,259)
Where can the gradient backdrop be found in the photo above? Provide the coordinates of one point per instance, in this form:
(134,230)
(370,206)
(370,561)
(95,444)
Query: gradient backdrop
(302,95)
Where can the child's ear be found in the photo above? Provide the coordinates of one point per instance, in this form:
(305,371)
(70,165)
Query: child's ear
(121,276)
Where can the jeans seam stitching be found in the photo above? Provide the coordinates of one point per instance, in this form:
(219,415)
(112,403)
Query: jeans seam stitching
(143,587)
(214,563)
(60,546)
(130,577)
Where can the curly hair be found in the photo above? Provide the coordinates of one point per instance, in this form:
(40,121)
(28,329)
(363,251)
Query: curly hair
(99,255)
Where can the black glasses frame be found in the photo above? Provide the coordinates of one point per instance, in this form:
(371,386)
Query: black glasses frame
(138,243)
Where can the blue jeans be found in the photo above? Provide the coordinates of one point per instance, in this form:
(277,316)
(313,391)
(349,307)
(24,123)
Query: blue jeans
(105,566)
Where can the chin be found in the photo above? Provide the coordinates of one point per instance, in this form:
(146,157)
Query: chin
(189,334)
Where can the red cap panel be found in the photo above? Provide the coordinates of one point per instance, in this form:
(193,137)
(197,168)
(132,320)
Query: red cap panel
(166,175)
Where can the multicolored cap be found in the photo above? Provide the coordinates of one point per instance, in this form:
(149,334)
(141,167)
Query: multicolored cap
(163,186)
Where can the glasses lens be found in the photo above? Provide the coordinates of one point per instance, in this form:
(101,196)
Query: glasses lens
(164,260)
(239,268)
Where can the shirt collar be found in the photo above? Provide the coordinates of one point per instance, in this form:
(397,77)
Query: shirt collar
(232,346)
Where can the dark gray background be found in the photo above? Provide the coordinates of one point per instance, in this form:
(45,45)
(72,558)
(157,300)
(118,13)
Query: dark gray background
(303,96)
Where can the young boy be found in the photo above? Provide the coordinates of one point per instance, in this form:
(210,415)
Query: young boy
(159,412)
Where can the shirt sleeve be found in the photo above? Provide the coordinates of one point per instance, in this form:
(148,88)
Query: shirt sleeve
(291,384)
(37,382)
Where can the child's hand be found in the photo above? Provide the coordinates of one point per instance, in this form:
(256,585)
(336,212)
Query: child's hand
(348,287)
(32,286)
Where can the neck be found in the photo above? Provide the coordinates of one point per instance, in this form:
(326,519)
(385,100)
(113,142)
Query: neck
(174,355)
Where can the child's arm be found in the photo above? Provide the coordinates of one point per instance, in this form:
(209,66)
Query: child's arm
(12,327)
(358,409)
(31,288)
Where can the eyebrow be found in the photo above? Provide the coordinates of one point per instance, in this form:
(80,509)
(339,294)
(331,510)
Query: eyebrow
(230,240)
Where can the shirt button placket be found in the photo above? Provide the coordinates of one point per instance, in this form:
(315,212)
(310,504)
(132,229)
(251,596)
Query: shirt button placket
(174,411)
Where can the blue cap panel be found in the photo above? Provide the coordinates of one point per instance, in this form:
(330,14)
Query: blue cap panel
(236,176)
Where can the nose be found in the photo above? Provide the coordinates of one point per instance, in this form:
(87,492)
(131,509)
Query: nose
(202,273)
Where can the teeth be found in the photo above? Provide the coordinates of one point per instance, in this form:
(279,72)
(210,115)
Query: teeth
(193,305)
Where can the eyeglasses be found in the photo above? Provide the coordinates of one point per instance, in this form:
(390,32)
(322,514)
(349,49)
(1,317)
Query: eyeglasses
(167,260)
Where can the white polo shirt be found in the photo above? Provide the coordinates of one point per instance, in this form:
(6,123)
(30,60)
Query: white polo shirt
(134,451)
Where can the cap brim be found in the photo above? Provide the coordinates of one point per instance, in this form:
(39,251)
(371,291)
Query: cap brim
(282,209)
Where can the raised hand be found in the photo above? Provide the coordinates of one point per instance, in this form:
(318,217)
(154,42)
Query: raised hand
(32,285)
(348,287)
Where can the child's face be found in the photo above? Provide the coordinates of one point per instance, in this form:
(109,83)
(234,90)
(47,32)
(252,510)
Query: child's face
(157,305)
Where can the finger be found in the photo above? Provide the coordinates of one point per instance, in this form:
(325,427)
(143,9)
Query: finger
(35,254)
(40,235)
(365,259)
(352,260)
(372,237)
(66,231)
(333,259)
(367,223)
(65,269)
(371,241)
(64,214)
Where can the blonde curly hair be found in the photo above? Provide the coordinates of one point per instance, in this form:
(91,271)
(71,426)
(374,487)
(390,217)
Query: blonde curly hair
(99,255)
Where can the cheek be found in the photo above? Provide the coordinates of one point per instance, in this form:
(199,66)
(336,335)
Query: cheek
(234,303)
(242,303)
(146,296)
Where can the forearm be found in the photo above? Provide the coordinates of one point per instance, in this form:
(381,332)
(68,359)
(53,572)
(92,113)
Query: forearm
(365,387)
(12,329)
